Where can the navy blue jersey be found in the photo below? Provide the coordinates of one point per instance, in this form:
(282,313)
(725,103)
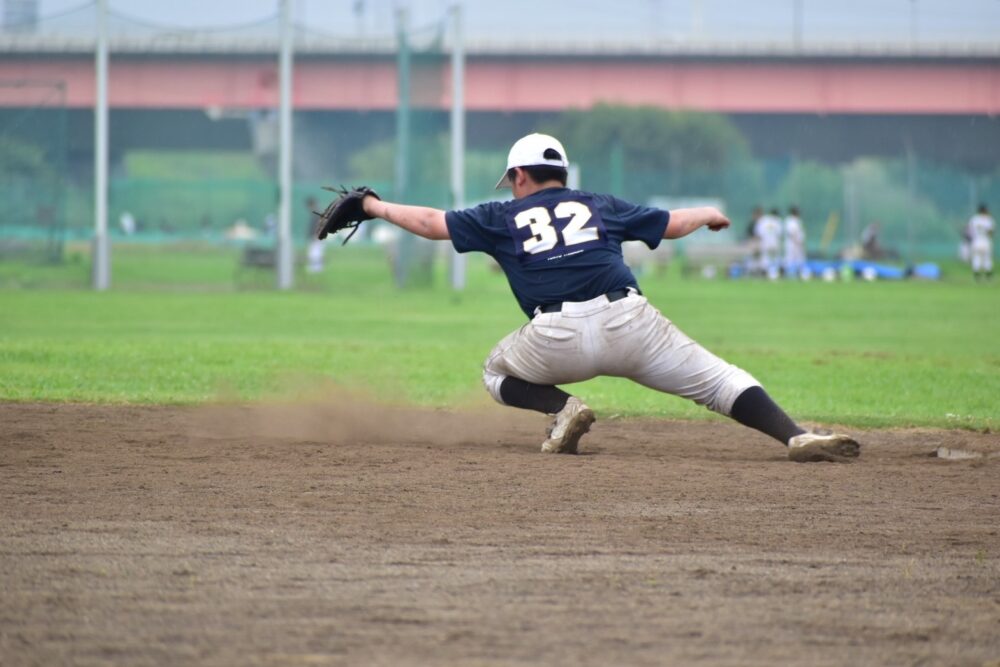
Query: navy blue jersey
(558,244)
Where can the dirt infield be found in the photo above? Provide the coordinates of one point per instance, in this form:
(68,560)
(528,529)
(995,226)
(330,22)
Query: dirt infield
(354,536)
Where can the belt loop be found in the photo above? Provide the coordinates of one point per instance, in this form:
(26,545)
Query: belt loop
(538,311)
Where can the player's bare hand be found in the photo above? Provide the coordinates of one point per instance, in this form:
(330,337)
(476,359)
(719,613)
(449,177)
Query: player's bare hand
(368,205)
(718,222)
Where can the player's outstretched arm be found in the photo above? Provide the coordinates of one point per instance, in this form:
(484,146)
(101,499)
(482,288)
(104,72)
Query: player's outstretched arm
(683,221)
(420,220)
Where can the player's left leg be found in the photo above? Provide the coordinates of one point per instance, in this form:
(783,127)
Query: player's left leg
(755,408)
(678,365)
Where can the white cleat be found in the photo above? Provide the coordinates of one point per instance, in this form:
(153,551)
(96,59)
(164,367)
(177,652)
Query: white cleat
(568,427)
(813,447)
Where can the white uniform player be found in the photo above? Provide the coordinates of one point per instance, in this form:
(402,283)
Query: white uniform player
(981,230)
(560,249)
(795,243)
(316,248)
(768,233)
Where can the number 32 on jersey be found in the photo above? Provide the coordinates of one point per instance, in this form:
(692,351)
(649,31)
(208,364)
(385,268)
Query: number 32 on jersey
(557,230)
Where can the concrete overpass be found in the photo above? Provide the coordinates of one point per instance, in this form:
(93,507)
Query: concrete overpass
(735,80)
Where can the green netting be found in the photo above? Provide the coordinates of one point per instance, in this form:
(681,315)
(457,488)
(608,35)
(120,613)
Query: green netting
(418,131)
(920,207)
(34,182)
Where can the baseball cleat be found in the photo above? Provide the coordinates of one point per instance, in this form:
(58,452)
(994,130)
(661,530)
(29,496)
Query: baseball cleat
(812,447)
(568,427)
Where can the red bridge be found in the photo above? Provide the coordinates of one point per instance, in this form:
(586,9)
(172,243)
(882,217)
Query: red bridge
(751,82)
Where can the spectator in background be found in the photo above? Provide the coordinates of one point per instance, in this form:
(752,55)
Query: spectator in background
(240,231)
(753,256)
(871,248)
(127,222)
(752,225)
(795,242)
(981,229)
(965,245)
(205,225)
(768,233)
(316,248)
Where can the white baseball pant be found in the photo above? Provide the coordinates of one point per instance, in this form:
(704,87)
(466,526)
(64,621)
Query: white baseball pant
(982,255)
(627,338)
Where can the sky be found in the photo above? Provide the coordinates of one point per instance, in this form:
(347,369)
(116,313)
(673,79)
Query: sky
(588,21)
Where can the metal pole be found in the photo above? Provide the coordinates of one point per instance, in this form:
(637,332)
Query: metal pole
(457,136)
(797,25)
(616,164)
(911,190)
(403,106)
(285,255)
(851,213)
(697,20)
(102,255)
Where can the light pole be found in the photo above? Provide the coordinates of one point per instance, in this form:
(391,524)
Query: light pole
(102,255)
(457,136)
(285,258)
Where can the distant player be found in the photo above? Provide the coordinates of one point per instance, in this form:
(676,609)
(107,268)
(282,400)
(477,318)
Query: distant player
(795,243)
(316,248)
(768,233)
(561,252)
(981,229)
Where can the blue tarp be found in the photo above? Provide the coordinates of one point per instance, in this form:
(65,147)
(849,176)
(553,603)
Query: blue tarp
(858,268)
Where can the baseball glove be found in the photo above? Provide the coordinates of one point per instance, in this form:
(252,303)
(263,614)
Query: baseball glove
(344,212)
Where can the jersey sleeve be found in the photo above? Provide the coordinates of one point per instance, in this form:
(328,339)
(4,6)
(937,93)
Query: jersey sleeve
(641,223)
(470,228)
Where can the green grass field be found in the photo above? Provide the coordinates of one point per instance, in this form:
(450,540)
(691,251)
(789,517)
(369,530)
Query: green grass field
(187,327)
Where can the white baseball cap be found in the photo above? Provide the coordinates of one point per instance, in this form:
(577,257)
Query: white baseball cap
(531,151)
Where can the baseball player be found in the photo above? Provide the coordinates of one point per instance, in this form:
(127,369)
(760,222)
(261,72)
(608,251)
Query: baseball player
(795,242)
(561,252)
(316,248)
(981,228)
(768,233)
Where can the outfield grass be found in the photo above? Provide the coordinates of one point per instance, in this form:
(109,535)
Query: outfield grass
(189,327)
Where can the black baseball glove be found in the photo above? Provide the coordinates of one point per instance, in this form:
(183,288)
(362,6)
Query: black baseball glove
(344,212)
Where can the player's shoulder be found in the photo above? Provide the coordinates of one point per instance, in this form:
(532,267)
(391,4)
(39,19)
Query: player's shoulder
(554,196)
(490,208)
(610,202)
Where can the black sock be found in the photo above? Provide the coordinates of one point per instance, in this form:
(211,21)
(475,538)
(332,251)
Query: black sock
(540,397)
(754,408)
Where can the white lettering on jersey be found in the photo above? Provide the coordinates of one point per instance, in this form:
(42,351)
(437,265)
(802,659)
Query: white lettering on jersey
(545,236)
